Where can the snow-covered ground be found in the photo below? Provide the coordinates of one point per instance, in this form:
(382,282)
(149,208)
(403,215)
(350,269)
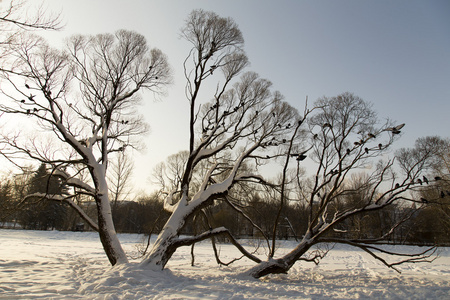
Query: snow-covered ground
(72,265)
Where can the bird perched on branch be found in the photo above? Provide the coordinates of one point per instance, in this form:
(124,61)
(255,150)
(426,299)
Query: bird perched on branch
(300,156)
(396,129)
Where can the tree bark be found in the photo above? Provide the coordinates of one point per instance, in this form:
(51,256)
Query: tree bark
(280,265)
(164,245)
(107,232)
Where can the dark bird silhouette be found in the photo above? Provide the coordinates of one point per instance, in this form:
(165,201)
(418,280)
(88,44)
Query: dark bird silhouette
(437,178)
(371,135)
(273,114)
(315,136)
(366,150)
(326,125)
(156,77)
(27,86)
(419,181)
(356,143)
(396,129)
(348,151)
(284,140)
(300,156)
(425,179)
(380,146)
(397,185)
(23,101)
(31,97)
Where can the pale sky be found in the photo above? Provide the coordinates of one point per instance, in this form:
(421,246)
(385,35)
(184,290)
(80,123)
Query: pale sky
(395,54)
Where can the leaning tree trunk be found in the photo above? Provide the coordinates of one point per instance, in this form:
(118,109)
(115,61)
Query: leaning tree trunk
(280,265)
(165,244)
(107,232)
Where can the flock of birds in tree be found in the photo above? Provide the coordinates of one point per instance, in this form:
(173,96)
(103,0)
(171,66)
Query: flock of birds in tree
(425,180)
(299,156)
(394,130)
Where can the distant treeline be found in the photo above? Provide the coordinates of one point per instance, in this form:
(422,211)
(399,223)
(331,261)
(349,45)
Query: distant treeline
(20,209)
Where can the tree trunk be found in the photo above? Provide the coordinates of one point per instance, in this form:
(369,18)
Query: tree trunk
(164,245)
(280,265)
(162,250)
(107,232)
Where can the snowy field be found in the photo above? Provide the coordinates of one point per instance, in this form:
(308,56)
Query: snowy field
(72,265)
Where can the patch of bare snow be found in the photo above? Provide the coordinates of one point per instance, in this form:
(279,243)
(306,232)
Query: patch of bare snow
(72,265)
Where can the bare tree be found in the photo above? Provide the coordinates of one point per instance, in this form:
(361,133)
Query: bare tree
(85,97)
(167,175)
(17,14)
(345,138)
(433,222)
(242,127)
(17,17)
(119,177)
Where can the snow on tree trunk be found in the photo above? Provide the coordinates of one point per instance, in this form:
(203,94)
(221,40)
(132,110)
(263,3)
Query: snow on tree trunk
(106,230)
(164,246)
(280,265)
(166,243)
(108,235)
